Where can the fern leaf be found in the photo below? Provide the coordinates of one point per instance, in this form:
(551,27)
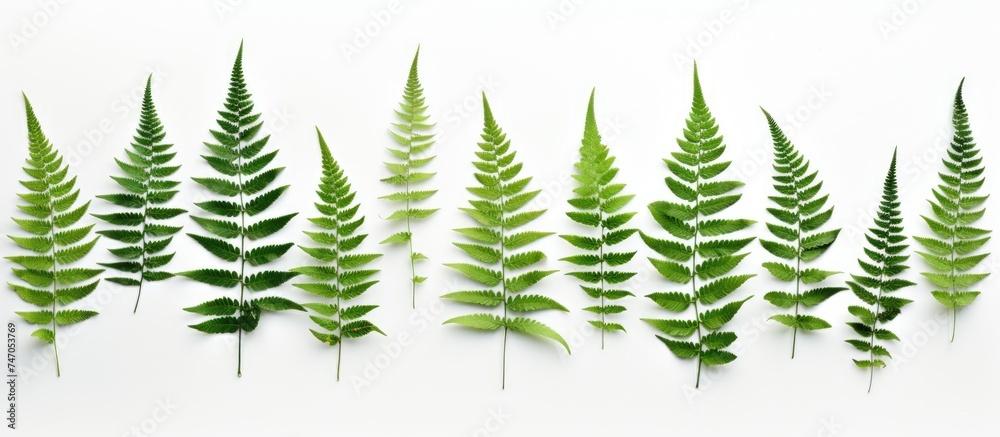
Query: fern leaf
(341,278)
(955,207)
(236,158)
(886,261)
(55,240)
(598,199)
(498,207)
(691,257)
(414,138)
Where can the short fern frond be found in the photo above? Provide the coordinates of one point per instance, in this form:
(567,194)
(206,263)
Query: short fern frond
(147,188)
(499,200)
(342,277)
(953,249)
(598,204)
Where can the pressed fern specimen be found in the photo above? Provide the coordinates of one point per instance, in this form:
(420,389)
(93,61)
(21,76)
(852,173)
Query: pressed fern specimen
(885,263)
(243,184)
(412,134)
(53,242)
(342,277)
(694,169)
(597,203)
(146,189)
(500,197)
(956,207)
(800,216)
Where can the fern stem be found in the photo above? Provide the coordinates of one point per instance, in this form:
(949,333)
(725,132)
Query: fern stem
(409,240)
(954,231)
(55,280)
(243,261)
(503,281)
(145,216)
(601,252)
(694,264)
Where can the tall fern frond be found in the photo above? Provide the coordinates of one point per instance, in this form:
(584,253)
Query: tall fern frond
(705,262)
(413,135)
(497,207)
(800,216)
(598,205)
(342,277)
(146,189)
(951,250)
(243,186)
(53,241)
(886,258)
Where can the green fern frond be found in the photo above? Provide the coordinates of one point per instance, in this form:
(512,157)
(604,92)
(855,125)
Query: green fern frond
(242,187)
(51,242)
(499,200)
(955,240)
(146,189)
(598,204)
(800,217)
(342,276)
(705,262)
(886,261)
(413,135)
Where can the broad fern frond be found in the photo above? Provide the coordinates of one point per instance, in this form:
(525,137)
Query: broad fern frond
(146,189)
(706,262)
(342,277)
(598,205)
(52,242)
(801,215)
(242,183)
(952,248)
(413,135)
(500,198)
(886,258)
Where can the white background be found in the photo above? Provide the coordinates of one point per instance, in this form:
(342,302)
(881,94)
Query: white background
(849,80)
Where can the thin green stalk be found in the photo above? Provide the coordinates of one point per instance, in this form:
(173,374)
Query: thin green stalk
(243,261)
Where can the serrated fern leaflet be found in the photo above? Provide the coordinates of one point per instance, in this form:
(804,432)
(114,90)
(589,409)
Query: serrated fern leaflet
(800,216)
(499,199)
(886,258)
(951,250)
(343,276)
(243,184)
(693,172)
(598,203)
(413,136)
(147,189)
(53,241)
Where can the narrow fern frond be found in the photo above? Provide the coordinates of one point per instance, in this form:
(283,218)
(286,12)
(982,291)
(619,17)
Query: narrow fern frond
(504,274)
(342,277)
(414,136)
(242,190)
(144,179)
(598,204)
(801,216)
(53,241)
(953,247)
(886,262)
(706,262)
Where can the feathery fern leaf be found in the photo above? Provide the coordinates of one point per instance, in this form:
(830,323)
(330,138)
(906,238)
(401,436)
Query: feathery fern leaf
(800,216)
(342,277)
(951,249)
(693,170)
(500,198)
(146,189)
(413,136)
(243,182)
(885,263)
(52,242)
(598,205)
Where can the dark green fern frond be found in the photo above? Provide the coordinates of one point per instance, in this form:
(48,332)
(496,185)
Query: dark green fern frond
(598,205)
(706,261)
(53,241)
(952,249)
(801,216)
(886,261)
(146,189)
(342,277)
